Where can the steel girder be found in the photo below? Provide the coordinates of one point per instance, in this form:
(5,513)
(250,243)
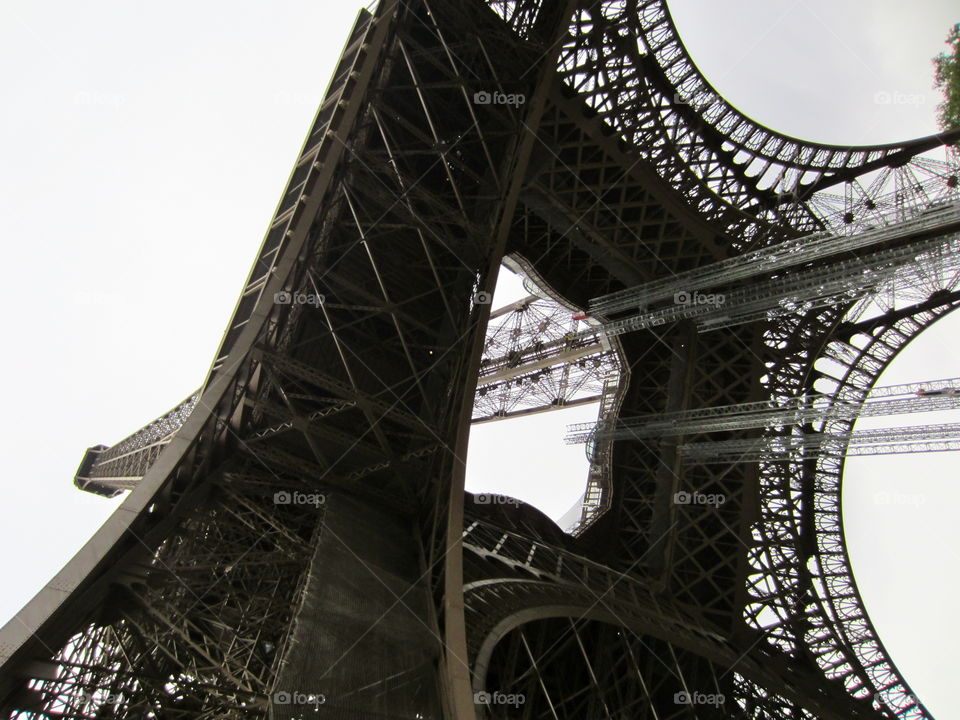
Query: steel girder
(892,272)
(110,470)
(196,619)
(626,58)
(387,214)
(536,359)
(813,446)
(905,222)
(575,638)
(924,396)
(531,364)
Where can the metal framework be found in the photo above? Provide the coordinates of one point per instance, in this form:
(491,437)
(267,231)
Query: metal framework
(805,594)
(813,410)
(299,542)
(797,448)
(532,363)
(110,470)
(889,272)
(788,254)
(536,358)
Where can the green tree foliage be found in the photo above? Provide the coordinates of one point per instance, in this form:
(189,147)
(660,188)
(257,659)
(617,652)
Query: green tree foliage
(947,79)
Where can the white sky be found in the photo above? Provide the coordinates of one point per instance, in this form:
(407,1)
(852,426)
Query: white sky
(143,149)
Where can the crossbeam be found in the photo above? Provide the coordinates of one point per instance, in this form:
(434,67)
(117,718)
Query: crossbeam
(535,360)
(795,448)
(788,254)
(927,396)
(900,269)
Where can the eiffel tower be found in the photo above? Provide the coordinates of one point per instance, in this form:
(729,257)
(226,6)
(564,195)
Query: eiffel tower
(296,540)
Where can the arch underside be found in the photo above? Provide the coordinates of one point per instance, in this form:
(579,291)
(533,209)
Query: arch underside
(571,662)
(803,592)
(575,652)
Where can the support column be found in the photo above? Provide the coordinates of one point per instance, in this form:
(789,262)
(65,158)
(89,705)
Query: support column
(361,644)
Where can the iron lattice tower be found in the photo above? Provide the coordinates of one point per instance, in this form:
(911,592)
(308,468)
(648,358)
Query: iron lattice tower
(297,541)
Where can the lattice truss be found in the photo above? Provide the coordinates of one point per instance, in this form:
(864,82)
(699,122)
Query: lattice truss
(926,396)
(627,60)
(910,282)
(573,638)
(804,595)
(572,668)
(810,446)
(387,215)
(535,358)
(779,179)
(908,259)
(109,471)
(870,201)
(808,602)
(520,15)
(197,628)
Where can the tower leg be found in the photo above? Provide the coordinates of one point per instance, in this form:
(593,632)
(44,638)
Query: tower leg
(361,644)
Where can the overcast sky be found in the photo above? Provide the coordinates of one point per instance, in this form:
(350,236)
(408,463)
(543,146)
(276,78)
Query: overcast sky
(143,148)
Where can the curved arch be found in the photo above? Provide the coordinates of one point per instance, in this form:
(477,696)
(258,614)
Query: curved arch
(481,663)
(530,602)
(811,588)
(746,134)
(627,60)
(537,600)
(839,581)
